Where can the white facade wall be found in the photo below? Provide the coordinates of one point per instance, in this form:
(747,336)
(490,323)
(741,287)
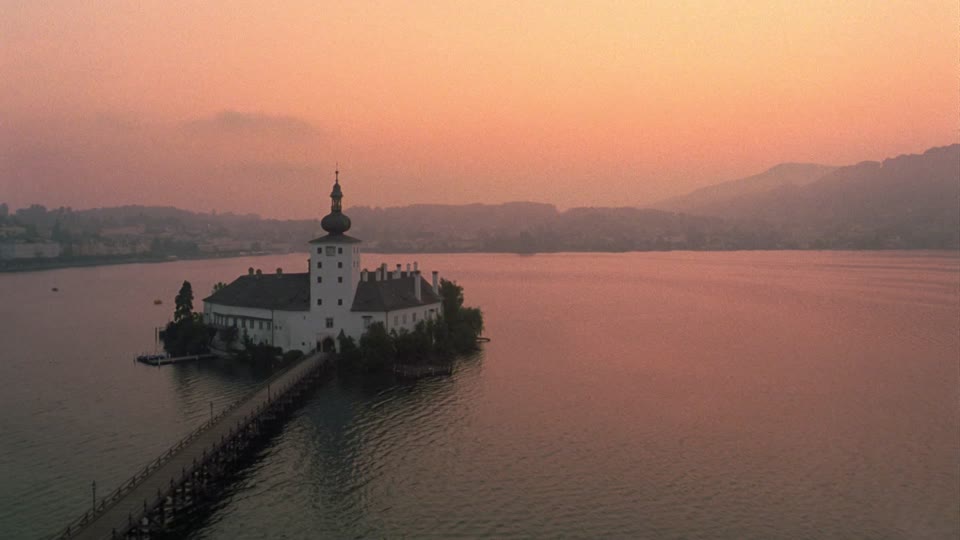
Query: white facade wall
(284,329)
(334,275)
(298,330)
(401,319)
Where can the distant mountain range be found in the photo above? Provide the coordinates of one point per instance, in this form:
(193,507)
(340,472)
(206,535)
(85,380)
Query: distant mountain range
(911,201)
(907,202)
(915,198)
(721,199)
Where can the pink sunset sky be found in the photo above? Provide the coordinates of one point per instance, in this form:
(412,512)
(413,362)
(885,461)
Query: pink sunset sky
(247,106)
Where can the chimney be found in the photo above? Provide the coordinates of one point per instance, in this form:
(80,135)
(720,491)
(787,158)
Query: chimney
(250,271)
(436,283)
(416,267)
(383,271)
(363,275)
(416,285)
(408,268)
(279,271)
(396,275)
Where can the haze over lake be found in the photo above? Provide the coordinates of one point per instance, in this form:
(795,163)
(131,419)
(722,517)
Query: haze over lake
(643,395)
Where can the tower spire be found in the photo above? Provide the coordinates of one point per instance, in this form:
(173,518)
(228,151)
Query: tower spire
(336,222)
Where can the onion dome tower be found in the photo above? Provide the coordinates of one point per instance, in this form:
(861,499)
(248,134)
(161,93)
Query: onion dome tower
(336,222)
(334,275)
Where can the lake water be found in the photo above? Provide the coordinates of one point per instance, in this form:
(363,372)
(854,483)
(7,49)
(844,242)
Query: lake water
(639,395)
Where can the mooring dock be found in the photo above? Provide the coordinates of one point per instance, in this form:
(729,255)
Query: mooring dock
(165,360)
(146,503)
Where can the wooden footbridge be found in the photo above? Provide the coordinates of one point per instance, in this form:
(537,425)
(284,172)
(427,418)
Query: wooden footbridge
(192,470)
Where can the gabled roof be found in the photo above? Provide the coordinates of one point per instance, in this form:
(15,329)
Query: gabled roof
(335,239)
(284,292)
(392,294)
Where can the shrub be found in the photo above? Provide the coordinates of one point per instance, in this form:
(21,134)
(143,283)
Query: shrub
(349,352)
(376,348)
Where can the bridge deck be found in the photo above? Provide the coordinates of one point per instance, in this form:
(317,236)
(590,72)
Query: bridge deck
(116,517)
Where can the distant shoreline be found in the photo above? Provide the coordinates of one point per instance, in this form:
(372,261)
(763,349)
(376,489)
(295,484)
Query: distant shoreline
(57,264)
(34,265)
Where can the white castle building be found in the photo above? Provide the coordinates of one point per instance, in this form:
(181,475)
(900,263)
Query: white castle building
(308,311)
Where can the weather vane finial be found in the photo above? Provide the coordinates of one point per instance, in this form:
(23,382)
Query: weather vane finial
(336,174)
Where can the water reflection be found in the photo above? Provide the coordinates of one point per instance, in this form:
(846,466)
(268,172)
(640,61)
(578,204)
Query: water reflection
(642,395)
(331,457)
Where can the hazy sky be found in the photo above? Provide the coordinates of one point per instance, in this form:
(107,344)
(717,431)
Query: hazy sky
(246,106)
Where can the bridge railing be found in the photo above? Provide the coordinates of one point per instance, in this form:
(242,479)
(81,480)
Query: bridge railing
(106,502)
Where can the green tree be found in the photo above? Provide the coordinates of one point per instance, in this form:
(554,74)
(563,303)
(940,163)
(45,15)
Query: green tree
(467,329)
(376,348)
(416,346)
(441,340)
(472,318)
(349,352)
(452,295)
(187,333)
(462,325)
(187,336)
(183,303)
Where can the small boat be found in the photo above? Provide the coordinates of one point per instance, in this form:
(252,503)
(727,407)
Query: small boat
(157,302)
(55,289)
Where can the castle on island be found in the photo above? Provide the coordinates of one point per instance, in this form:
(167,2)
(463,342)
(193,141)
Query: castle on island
(308,311)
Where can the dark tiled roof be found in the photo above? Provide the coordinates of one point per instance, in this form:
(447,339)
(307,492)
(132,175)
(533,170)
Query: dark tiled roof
(392,294)
(286,292)
(335,239)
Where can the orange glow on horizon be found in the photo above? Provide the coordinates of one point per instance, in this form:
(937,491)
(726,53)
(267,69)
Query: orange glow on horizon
(571,103)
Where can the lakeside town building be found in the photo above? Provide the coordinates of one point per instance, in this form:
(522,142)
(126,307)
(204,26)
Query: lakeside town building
(16,250)
(308,311)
